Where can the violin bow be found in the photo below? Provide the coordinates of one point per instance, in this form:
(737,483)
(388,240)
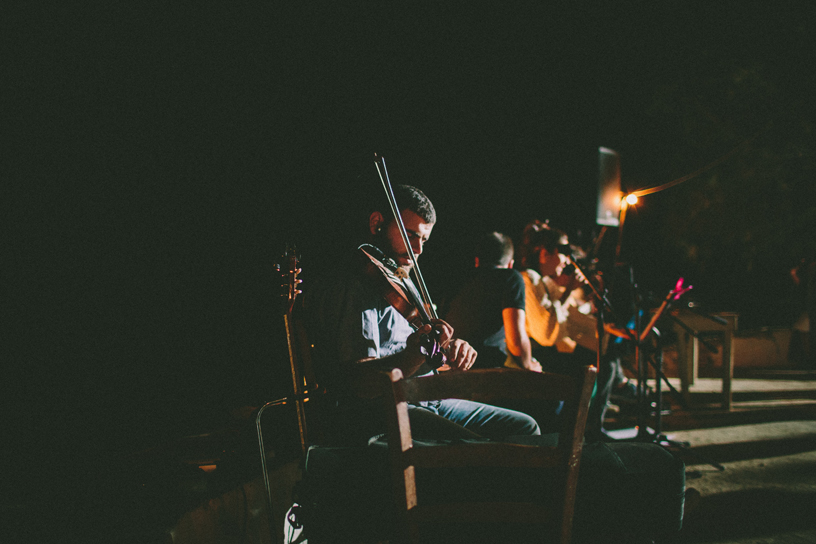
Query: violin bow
(379,162)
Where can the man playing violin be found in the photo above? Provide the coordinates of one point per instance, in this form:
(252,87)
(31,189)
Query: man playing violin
(354,329)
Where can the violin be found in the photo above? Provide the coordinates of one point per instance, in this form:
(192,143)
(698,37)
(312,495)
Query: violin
(389,279)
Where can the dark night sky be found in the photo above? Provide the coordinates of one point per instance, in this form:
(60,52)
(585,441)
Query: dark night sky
(156,162)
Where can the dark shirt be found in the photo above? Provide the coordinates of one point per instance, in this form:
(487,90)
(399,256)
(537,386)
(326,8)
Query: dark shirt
(476,312)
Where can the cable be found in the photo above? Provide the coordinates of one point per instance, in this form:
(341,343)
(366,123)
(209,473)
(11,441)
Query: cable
(642,192)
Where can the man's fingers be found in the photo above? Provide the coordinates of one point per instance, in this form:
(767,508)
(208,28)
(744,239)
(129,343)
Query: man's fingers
(454,352)
(461,355)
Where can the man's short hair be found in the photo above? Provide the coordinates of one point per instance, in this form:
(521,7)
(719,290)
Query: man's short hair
(407,198)
(411,198)
(536,236)
(494,249)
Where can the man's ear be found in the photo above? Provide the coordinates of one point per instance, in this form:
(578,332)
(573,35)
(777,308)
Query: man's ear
(376,221)
(511,263)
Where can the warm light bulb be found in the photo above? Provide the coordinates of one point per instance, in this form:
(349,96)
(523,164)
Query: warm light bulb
(631,199)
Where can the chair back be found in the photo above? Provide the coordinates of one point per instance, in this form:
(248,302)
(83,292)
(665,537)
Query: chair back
(556,465)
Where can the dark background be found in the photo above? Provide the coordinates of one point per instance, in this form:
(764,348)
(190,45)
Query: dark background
(157,161)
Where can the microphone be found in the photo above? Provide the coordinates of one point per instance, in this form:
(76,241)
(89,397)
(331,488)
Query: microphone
(576,255)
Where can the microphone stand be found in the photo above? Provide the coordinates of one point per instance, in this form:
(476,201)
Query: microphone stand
(604,361)
(602,305)
(639,337)
(644,434)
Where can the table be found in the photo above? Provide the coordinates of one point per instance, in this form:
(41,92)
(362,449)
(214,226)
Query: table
(689,325)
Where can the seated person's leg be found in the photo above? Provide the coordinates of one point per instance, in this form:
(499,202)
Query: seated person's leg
(597,408)
(487,420)
(427,423)
(363,420)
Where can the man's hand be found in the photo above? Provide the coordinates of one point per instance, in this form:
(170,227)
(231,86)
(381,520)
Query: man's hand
(461,355)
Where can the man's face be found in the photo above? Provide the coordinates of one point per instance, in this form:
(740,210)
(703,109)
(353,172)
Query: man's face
(418,233)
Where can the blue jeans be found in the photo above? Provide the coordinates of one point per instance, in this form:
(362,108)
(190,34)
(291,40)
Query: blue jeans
(455,418)
(356,421)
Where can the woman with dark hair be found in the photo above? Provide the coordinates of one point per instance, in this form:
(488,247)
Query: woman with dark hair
(548,286)
(552,300)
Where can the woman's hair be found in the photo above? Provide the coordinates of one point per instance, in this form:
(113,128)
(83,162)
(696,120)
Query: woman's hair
(538,235)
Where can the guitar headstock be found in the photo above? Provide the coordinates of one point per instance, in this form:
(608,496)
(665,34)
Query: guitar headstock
(290,282)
